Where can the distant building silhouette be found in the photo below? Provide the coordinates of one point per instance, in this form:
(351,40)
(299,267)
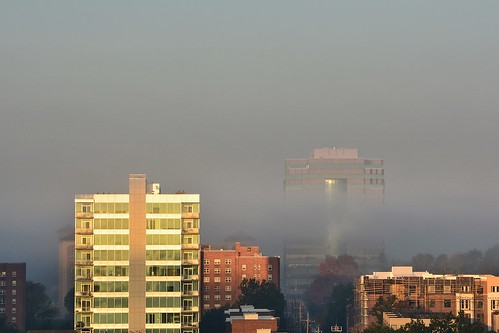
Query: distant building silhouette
(336,173)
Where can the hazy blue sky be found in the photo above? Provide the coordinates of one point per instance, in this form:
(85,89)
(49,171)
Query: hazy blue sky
(212,96)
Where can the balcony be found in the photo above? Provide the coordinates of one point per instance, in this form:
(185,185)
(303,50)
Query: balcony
(190,246)
(189,324)
(84,262)
(190,293)
(83,293)
(190,215)
(83,278)
(84,215)
(190,261)
(190,277)
(84,231)
(84,246)
(190,231)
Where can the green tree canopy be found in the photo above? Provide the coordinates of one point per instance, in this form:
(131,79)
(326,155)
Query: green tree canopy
(262,294)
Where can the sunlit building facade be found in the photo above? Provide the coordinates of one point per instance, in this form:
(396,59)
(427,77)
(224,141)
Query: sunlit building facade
(474,295)
(225,269)
(338,173)
(137,261)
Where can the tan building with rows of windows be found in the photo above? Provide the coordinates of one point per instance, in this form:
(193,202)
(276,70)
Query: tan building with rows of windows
(477,296)
(137,261)
(224,270)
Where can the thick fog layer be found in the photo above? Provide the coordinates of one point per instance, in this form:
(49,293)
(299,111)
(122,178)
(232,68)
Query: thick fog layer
(212,98)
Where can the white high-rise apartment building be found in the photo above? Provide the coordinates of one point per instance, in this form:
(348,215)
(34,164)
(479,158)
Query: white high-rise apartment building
(137,261)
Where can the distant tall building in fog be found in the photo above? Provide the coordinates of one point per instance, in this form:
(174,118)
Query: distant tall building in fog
(137,261)
(66,265)
(336,172)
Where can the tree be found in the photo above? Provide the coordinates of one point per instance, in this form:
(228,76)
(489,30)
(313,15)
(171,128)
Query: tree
(262,294)
(213,321)
(422,262)
(383,304)
(40,311)
(7,327)
(69,302)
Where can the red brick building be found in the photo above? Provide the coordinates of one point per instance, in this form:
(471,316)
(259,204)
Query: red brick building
(13,294)
(247,319)
(223,271)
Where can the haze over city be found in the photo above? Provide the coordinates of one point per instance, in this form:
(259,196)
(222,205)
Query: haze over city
(211,98)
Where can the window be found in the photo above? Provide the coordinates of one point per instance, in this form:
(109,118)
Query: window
(14,301)
(3,274)
(206,288)
(217,306)
(243,276)
(243,267)
(206,271)
(2,283)
(431,303)
(269,277)
(2,310)
(2,300)
(228,297)
(228,271)
(217,297)
(14,292)
(228,279)
(217,288)
(14,283)
(228,288)
(465,289)
(216,279)
(447,303)
(206,306)
(14,319)
(2,292)
(14,274)
(14,310)
(216,261)
(216,270)
(228,261)
(206,261)
(495,289)
(479,304)
(270,268)
(206,279)
(206,297)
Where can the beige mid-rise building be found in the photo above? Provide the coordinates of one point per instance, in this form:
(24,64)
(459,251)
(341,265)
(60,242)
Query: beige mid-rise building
(474,295)
(137,261)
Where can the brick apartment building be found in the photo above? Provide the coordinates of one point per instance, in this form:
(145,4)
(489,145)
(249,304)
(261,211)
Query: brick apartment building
(223,270)
(477,296)
(13,294)
(247,319)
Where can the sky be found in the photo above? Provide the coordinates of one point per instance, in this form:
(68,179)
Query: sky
(212,97)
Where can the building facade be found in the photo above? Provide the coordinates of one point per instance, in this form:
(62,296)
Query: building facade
(302,258)
(477,296)
(247,319)
(137,261)
(338,173)
(224,270)
(13,294)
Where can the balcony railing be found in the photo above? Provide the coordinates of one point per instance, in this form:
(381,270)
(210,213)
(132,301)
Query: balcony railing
(190,246)
(190,215)
(190,277)
(84,246)
(83,278)
(189,261)
(84,215)
(84,262)
(84,231)
(190,230)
